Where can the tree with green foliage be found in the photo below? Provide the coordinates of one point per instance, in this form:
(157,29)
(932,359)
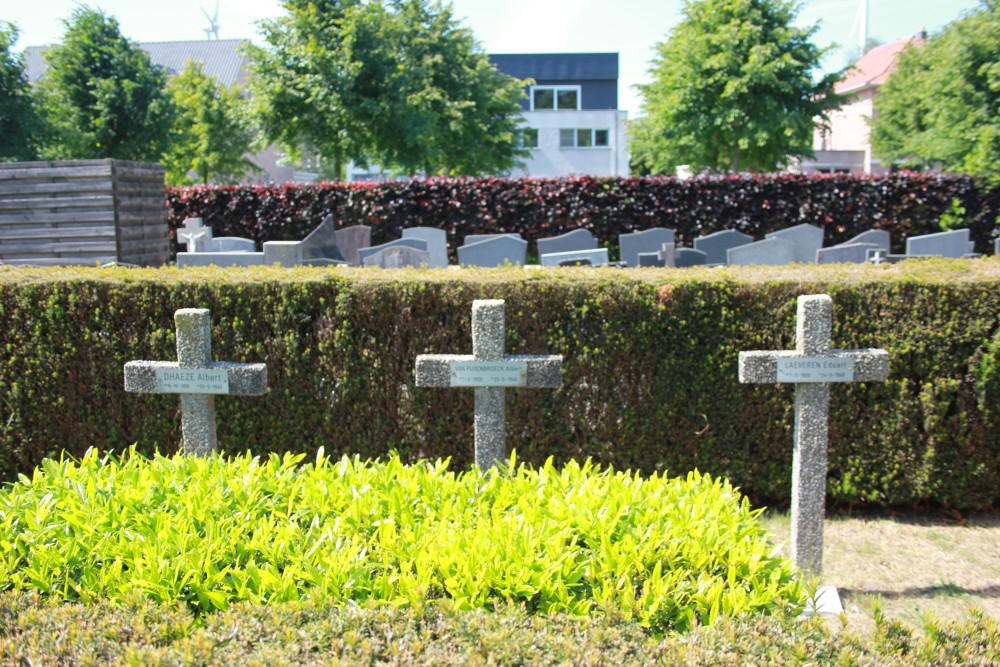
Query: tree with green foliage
(19,124)
(942,104)
(211,131)
(396,83)
(102,96)
(732,90)
(296,82)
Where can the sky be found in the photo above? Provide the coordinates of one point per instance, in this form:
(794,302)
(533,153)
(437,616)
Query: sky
(631,28)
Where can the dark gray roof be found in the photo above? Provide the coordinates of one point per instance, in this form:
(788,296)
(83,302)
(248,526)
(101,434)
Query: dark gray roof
(34,62)
(558,66)
(224,60)
(220,58)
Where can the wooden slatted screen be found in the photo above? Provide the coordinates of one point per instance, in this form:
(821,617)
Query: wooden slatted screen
(82,212)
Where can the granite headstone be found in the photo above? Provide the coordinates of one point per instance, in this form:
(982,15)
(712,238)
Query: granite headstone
(437,244)
(715,246)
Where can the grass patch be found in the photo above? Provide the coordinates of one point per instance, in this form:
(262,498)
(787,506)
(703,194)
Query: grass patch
(908,567)
(668,554)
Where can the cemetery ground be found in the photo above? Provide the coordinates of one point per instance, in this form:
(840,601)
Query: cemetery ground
(908,566)
(210,561)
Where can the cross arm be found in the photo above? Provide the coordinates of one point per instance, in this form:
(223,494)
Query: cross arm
(543,371)
(762,366)
(434,370)
(244,379)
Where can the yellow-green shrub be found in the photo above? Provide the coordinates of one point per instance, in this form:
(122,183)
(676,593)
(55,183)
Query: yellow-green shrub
(669,553)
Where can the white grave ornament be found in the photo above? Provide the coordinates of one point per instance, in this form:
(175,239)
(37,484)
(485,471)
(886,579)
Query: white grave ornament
(196,378)
(489,370)
(811,367)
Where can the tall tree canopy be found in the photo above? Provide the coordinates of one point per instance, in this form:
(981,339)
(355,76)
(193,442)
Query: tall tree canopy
(942,104)
(396,83)
(732,90)
(102,96)
(211,134)
(19,125)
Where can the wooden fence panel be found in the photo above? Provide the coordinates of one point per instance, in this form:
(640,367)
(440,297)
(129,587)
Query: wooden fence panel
(82,212)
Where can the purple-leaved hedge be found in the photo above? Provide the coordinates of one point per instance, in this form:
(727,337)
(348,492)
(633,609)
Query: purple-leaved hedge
(905,204)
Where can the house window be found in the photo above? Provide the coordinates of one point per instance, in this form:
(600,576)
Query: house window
(529,137)
(583,138)
(555,98)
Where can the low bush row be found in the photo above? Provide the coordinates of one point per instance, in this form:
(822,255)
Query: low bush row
(649,375)
(313,632)
(844,205)
(670,553)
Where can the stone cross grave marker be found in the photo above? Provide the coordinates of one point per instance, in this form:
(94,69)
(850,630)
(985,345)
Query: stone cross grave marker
(811,367)
(194,234)
(489,370)
(196,378)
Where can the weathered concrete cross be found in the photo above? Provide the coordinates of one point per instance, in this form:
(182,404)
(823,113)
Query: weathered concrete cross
(196,378)
(489,370)
(811,367)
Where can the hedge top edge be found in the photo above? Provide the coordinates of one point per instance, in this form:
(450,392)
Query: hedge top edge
(926,271)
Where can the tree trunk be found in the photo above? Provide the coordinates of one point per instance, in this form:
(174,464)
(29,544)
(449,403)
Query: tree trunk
(735,166)
(338,168)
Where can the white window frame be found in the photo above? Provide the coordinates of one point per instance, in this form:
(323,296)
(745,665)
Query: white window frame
(593,136)
(524,134)
(555,97)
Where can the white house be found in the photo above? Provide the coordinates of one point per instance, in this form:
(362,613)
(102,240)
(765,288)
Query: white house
(844,146)
(572,123)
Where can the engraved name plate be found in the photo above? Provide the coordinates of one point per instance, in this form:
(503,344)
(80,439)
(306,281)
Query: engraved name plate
(489,373)
(815,369)
(192,381)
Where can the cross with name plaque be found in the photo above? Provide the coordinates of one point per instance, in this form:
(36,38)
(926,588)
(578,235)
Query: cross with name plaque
(490,371)
(196,378)
(811,367)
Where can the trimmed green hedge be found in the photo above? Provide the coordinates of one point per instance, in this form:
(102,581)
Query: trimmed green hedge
(650,372)
(316,633)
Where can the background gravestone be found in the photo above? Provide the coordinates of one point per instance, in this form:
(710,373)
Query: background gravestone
(437,244)
(578,239)
(593,257)
(715,246)
(198,238)
(769,252)
(417,244)
(397,257)
(945,244)
(806,238)
(646,241)
(879,237)
(321,243)
(852,253)
(685,257)
(497,250)
(351,240)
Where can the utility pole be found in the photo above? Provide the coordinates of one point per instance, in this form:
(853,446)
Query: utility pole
(863,38)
